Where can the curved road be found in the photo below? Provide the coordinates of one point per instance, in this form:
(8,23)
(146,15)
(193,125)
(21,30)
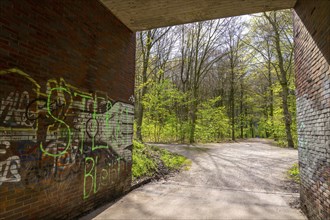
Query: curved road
(226,181)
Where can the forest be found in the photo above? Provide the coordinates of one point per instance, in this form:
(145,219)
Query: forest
(217,80)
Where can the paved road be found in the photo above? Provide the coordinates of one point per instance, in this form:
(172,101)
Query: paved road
(226,181)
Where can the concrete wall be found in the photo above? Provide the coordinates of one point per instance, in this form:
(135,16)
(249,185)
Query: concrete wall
(66,78)
(312,43)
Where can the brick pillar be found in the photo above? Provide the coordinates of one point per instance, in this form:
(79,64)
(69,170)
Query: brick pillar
(312,36)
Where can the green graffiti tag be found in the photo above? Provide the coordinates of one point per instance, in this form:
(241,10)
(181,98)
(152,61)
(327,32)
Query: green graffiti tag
(93,181)
(68,144)
(90,174)
(59,131)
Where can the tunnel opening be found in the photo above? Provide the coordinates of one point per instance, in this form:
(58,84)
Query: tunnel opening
(67,98)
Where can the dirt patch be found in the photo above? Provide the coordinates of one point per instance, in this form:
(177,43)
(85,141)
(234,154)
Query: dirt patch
(293,187)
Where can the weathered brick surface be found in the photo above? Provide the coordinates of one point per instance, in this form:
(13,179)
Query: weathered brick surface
(66,76)
(311,30)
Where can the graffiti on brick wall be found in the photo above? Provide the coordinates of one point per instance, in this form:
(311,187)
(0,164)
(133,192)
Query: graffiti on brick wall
(301,139)
(49,133)
(95,179)
(9,167)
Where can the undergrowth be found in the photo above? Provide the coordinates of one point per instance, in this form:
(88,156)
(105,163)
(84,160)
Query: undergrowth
(150,160)
(293,173)
(143,164)
(172,161)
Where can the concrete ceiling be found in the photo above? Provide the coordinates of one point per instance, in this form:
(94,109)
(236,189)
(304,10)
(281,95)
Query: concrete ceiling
(140,15)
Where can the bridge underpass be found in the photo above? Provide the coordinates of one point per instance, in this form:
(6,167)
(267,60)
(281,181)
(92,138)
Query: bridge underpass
(82,54)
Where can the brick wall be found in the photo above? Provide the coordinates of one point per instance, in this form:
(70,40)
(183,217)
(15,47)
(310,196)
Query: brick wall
(66,78)
(311,30)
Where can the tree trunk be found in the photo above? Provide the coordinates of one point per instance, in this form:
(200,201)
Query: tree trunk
(232,105)
(193,116)
(246,123)
(287,115)
(251,128)
(241,111)
(283,81)
(271,107)
(139,119)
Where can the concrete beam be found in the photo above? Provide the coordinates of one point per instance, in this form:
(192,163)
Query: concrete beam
(147,14)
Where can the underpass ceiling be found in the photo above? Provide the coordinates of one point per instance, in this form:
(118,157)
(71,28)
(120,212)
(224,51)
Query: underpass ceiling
(140,15)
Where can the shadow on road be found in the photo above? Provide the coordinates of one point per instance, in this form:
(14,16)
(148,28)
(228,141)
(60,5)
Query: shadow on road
(241,180)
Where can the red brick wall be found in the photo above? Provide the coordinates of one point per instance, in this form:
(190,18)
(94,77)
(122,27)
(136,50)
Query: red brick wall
(66,77)
(312,43)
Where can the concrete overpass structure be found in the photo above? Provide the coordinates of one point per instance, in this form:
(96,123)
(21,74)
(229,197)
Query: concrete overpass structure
(142,15)
(66,78)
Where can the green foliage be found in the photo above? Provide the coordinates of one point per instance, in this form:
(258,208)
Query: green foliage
(212,122)
(174,161)
(236,88)
(293,173)
(279,123)
(160,121)
(146,160)
(143,164)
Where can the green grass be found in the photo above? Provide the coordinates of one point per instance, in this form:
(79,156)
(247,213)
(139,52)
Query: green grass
(284,144)
(174,161)
(147,159)
(293,173)
(143,163)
